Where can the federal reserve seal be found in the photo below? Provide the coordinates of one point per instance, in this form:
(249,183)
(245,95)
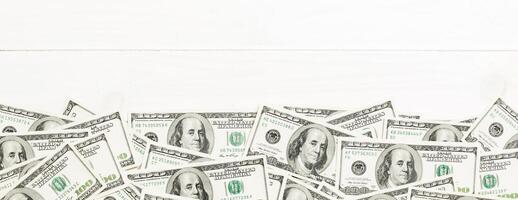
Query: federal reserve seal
(442,170)
(496,129)
(273,136)
(489,181)
(358,167)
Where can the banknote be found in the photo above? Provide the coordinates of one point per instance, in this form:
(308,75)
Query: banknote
(401,192)
(235,178)
(275,182)
(369,120)
(370,165)
(61,175)
(496,129)
(221,134)
(114,129)
(295,143)
(302,179)
(421,130)
(469,121)
(76,111)
(331,191)
(427,194)
(27,145)
(442,183)
(497,173)
(138,145)
(322,113)
(159,156)
(154,196)
(296,190)
(125,192)
(10,176)
(319,113)
(397,193)
(20,120)
(97,153)
(407,116)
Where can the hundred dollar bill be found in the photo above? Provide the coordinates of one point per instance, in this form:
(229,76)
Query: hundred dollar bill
(295,143)
(442,183)
(97,153)
(322,113)
(76,111)
(369,120)
(28,145)
(275,182)
(159,156)
(331,191)
(469,121)
(401,192)
(138,145)
(146,195)
(126,192)
(496,129)
(305,180)
(19,120)
(497,173)
(397,193)
(221,134)
(62,175)
(296,189)
(236,178)
(319,113)
(10,176)
(427,194)
(406,116)
(371,165)
(421,130)
(113,127)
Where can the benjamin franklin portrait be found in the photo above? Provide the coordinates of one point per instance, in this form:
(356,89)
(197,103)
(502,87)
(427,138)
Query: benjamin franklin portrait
(14,150)
(296,192)
(46,123)
(23,194)
(398,165)
(190,182)
(443,133)
(310,150)
(512,143)
(191,131)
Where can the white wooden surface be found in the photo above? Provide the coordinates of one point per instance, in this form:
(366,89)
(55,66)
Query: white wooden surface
(259,24)
(441,58)
(436,85)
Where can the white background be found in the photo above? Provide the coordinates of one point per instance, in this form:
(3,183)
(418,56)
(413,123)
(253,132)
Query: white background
(437,85)
(259,24)
(442,59)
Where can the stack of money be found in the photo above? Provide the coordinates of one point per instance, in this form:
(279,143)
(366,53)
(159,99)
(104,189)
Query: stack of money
(277,152)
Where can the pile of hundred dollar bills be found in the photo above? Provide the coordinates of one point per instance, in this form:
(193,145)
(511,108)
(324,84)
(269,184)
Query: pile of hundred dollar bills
(274,152)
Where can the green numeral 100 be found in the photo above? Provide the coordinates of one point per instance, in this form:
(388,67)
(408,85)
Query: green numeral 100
(463,189)
(83,187)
